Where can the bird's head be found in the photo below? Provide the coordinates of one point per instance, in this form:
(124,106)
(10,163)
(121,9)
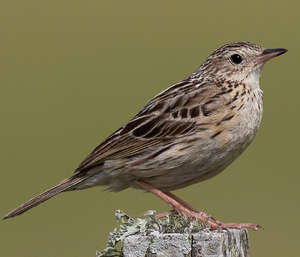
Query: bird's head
(237,61)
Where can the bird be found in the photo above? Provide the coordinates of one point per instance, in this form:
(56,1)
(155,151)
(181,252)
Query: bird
(184,135)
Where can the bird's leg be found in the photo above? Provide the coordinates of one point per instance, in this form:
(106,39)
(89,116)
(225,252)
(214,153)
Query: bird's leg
(184,203)
(221,224)
(178,207)
(188,206)
(185,209)
(164,214)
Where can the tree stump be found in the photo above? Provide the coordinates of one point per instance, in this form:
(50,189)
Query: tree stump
(226,243)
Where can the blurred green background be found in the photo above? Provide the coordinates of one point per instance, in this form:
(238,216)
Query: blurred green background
(72,72)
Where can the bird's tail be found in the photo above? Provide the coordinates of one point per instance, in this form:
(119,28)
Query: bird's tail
(60,187)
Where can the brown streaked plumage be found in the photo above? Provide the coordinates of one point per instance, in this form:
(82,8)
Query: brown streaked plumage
(186,134)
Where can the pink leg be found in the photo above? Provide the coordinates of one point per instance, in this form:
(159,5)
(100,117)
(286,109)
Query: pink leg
(184,208)
(224,225)
(164,214)
(184,203)
(179,208)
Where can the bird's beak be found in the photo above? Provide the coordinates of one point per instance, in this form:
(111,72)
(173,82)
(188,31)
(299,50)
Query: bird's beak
(268,54)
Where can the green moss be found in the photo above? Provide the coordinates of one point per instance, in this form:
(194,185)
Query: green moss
(127,226)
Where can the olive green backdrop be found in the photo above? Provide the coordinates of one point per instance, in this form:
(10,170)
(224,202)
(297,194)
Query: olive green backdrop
(72,72)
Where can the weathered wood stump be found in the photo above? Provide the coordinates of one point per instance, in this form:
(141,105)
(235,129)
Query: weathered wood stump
(227,243)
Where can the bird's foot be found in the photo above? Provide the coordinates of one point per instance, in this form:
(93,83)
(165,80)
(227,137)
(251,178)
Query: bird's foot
(193,214)
(252,226)
(210,221)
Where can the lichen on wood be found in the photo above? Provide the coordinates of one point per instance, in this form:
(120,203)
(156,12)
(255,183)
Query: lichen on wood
(172,236)
(127,226)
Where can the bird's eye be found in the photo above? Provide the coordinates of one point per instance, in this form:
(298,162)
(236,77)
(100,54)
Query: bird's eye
(236,58)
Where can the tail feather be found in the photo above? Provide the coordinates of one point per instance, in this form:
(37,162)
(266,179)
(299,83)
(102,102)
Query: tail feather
(62,186)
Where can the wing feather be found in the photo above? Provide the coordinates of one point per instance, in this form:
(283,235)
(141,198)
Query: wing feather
(166,117)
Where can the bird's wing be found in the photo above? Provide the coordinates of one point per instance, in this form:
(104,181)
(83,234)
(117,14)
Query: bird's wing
(169,115)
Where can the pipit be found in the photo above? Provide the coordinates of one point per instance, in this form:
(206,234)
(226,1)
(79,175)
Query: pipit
(186,134)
